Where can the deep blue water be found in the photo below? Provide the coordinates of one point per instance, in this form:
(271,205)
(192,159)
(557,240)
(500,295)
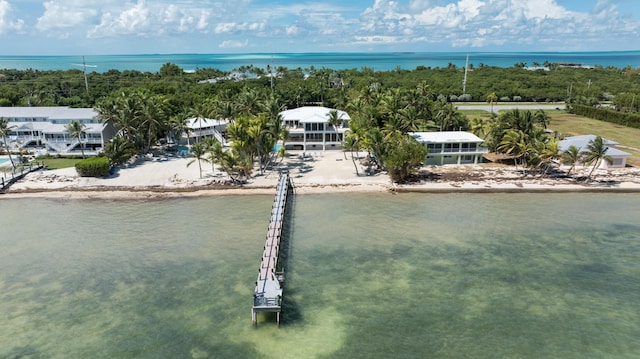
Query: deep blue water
(333,60)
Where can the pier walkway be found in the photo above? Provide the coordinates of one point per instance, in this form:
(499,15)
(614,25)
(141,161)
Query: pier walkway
(267,296)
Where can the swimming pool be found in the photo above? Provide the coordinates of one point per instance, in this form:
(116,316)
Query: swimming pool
(4,162)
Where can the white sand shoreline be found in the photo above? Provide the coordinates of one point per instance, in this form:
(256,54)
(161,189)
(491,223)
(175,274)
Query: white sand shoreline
(327,172)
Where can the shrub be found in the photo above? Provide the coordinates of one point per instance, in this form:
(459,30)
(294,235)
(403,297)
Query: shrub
(93,167)
(465,98)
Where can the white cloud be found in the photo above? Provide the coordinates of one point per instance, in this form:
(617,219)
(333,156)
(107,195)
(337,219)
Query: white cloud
(233,44)
(59,17)
(134,20)
(6,24)
(489,24)
(233,27)
(482,23)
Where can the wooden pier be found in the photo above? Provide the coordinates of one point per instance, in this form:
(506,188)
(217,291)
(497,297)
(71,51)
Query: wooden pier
(7,180)
(267,296)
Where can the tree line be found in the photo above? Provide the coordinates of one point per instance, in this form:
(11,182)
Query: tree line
(384,107)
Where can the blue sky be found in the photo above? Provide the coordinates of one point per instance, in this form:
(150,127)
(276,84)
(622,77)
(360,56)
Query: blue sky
(94,27)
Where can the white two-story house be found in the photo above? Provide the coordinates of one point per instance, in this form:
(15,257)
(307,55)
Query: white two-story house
(309,128)
(451,147)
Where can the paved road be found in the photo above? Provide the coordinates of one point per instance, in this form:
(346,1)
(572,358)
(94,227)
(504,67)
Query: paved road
(510,106)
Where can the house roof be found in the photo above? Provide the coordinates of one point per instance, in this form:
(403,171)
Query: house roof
(48,127)
(311,114)
(196,123)
(50,112)
(581,142)
(446,137)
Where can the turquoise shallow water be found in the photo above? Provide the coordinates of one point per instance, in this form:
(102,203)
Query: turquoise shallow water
(331,60)
(375,275)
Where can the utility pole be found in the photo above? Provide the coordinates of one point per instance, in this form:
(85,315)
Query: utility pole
(464,80)
(84,69)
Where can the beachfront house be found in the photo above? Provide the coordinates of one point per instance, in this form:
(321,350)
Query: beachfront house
(451,147)
(309,128)
(42,130)
(200,128)
(581,142)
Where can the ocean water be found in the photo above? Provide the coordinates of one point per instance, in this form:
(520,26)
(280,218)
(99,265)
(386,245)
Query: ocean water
(334,60)
(369,276)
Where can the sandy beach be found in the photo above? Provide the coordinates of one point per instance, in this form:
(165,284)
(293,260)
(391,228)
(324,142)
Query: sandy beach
(315,172)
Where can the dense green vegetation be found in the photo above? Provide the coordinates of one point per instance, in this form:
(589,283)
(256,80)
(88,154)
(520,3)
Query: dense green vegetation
(384,106)
(93,167)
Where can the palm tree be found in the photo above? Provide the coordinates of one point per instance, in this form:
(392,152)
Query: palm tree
(448,118)
(491,99)
(542,118)
(334,118)
(351,144)
(595,153)
(513,144)
(5,129)
(216,152)
(76,130)
(572,156)
(178,125)
(478,126)
(198,151)
(152,116)
(547,153)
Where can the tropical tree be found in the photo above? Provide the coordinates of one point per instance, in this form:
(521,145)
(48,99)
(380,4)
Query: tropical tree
(334,118)
(491,99)
(448,118)
(118,150)
(153,117)
(351,144)
(542,118)
(5,129)
(404,157)
(478,125)
(595,153)
(513,144)
(546,153)
(211,146)
(177,125)
(572,156)
(77,130)
(198,151)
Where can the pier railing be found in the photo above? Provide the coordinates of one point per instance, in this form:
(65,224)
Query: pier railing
(7,179)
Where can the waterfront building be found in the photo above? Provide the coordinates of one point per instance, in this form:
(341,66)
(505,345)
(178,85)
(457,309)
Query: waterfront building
(200,128)
(619,157)
(451,147)
(309,128)
(42,130)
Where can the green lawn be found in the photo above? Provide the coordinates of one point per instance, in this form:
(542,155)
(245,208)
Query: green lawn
(57,163)
(571,125)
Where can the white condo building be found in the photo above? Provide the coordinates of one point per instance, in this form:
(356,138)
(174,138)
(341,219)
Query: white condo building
(309,128)
(43,130)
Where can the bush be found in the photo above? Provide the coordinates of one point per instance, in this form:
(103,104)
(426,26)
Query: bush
(93,167)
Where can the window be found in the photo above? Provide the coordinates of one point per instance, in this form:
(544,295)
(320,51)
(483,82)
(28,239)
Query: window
(450,147)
